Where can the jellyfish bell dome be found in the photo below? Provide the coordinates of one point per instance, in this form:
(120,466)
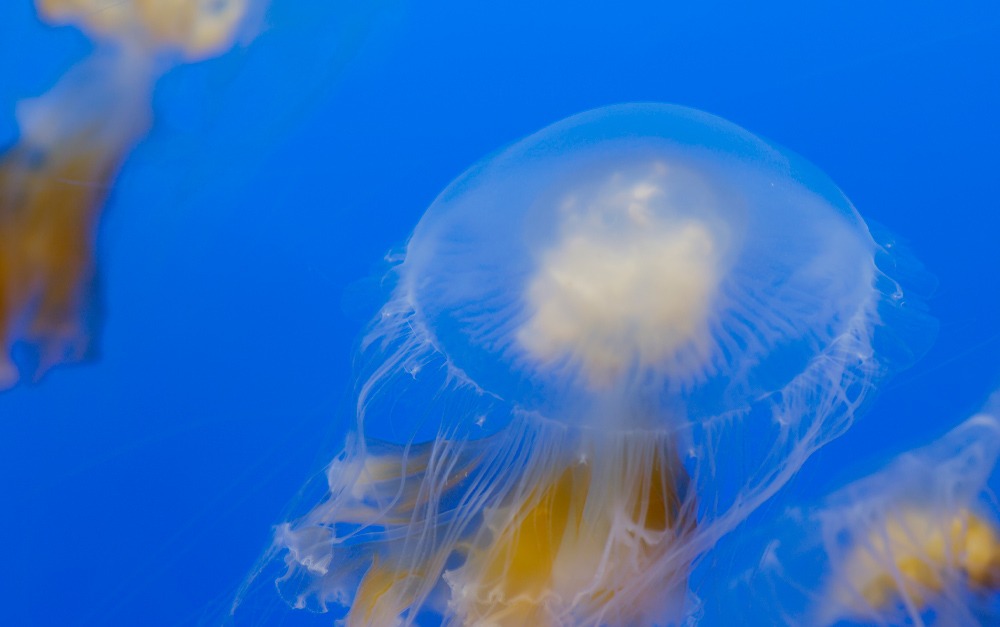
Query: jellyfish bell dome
(648,258)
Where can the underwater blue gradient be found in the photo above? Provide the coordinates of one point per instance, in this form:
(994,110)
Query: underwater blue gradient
(241,243)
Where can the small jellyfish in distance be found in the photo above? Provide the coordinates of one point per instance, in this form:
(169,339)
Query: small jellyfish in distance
(915,543)
(72,141)
(606,345)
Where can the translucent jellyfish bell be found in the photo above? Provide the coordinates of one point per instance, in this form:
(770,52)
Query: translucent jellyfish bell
(647,253)
(607,344)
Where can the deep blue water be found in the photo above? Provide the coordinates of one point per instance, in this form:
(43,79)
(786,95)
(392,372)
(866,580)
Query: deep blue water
(141,489)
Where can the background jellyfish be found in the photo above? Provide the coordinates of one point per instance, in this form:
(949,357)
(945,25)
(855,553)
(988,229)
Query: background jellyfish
(606,345)
(73,139)
(917,542)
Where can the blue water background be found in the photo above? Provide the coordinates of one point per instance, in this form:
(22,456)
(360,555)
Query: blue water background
(140,489)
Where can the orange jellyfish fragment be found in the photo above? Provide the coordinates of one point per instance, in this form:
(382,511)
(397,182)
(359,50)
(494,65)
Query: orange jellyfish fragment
(55,180)
(915,543)
(607,345)
(912,556)
(918,542)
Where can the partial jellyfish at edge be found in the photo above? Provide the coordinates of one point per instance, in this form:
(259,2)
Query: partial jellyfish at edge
(915,543)
(606,345)
(72,141)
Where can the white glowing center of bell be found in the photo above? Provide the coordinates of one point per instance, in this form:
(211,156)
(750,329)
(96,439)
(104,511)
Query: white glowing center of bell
(628,283)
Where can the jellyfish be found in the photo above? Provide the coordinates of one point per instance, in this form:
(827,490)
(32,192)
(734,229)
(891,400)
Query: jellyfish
(55,179)
(915,543)
(604,347)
